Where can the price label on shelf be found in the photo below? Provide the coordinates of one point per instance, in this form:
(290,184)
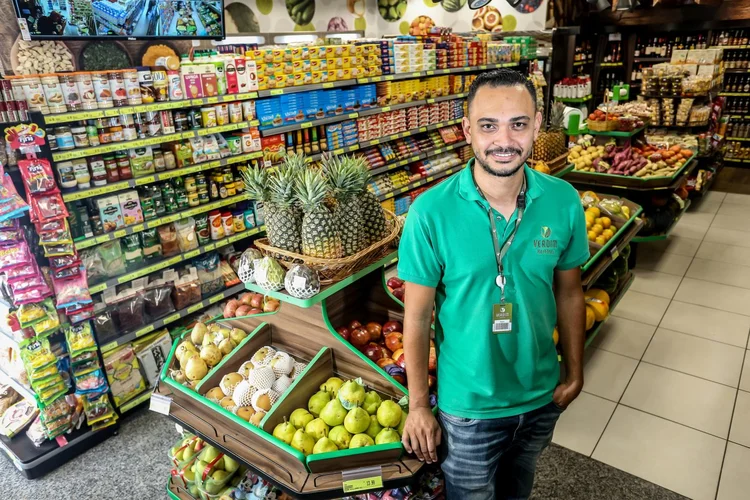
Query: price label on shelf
(306,125)
(108,347)
(216,298)
(353,115)
(120,233)
(212,100)
(615,253)
(277,91)
(365,478)
(388,77)
(328,85)
(144,331)
(195,307)
(385,108)
(160,403)
(171,318)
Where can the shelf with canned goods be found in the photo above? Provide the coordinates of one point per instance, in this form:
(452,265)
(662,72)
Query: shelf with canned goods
(436,72)
(420,182)
(426,154)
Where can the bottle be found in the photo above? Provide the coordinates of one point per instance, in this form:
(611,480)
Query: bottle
(637,51)
(221,79)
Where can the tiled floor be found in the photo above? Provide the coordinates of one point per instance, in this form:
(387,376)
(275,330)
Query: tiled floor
(667,389)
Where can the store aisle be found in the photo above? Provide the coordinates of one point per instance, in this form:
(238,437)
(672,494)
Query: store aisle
(667,388)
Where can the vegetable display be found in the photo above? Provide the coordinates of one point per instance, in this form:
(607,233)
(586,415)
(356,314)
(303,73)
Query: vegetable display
(643,161)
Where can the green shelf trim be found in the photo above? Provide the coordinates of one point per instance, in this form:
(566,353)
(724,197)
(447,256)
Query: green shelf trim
(590,337)
(574,99)
(327,291)
(729,47)
(433,72)
(665,235)
(567,169)
(582,63)
(611,65)
(734,94)
(613,133)
(741,139)
(613,241)
(736,160)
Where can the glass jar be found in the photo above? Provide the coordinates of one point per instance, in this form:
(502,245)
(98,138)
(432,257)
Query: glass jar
(53,93)
(101,87)
(161,85)
(169,160)
(190,186)
(129,133)
(64,138)
(66,174)
(132,88)
(146,84)
(110,163)
(82,174)
(159,164)
(92,133)
(117,87)
(86,90)
(98,171)
(180,121)
(193,200)
(208,117)
(116,133)
(80,137)
(123,166)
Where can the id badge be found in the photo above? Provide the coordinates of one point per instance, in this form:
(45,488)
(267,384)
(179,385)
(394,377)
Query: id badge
(502,318)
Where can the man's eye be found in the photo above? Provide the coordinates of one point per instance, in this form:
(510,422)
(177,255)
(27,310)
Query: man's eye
(519,126)
(488,127)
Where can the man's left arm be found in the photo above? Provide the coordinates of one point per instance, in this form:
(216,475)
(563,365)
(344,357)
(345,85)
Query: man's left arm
(571,325)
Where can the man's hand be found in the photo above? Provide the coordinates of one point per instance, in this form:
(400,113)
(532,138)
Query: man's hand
(566,392)
(422,434)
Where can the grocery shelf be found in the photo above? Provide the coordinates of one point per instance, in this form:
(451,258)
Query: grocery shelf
(729,47)
(582,63)
(435,72)
(618,295)
(419,182)
(171,261)
(612,133)
(141,108)
(306,88)
(21,389)
(741,139)
(425,154)
(600,261)
(739,117)
(141,181)
(129,337)
(664,235)
(734,94)
(737,70)
(631,182)
(574,99)
(151,141)
(356,114)
(678,126)
(652,59)
(611,65)
(736,160)
(137,228)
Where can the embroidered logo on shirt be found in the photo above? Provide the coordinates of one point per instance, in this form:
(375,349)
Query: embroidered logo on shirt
(546,232)
(545,245)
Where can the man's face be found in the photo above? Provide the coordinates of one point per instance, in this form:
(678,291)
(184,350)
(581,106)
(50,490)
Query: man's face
(501,128)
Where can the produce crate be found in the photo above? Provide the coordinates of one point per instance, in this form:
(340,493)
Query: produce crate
(620,222)
(626,181)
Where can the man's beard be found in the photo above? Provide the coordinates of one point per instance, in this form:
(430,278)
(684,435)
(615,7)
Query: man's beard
(506,172)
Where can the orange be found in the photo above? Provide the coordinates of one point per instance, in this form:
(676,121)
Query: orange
(601,240)
(607,233)
(595,211)
(597,228)
(606,222)
(592,235)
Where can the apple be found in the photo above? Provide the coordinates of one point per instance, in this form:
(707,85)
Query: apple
(254,310)
(373,351)
(395,283)
(374,329)
(257,301)
(355,324)
(399,293)
(344,332)
(271,305)
(360,337)
(394,341)
(432,360)
(385,361)
(246,299)
(392,326)
(399,358)
(384,351)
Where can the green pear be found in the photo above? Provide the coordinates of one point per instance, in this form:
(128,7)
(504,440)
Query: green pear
(199,331)
(209,454)
(300,418)
(400,428)
(340,436)
(372,401)
(317,401)
(303,442)
(387,436)
(324,445)
(208,338)
(219,478)
(317,428)
(389,414)
(284,431)
(332,386)
(230,465)
(193,489)
(351,394)
(199,466)
(374,427)
(357,420)
(333,413)
(237,335)
(360,441)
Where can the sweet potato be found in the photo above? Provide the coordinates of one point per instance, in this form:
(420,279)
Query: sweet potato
(686,153)
(675,148)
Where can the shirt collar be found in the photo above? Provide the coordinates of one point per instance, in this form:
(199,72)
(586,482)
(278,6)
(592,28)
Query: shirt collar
(468,190)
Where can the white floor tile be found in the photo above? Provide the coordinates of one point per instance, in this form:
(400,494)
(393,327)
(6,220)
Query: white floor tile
(697,403)
(684,229)
(702,358)
(722,297)
(719,272)
(739,256)
(736,222)
(696,219)
(656,283)
(582,423)
(737,199)
(606,374)
(740,432)
(745,380)
(732,209)
(705,206)
(715,196)
(672,260)
(663,452)
(735,480)
(624,336)
(641,307)
(711,324)
(728,236)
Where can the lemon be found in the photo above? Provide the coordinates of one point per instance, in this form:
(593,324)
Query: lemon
(597,228)
(606,222)
(607,233)
(598,220)
(595,211)
(600,240)
(591,235)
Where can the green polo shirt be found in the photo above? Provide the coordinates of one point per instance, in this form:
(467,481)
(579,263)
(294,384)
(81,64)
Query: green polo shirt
(446,244)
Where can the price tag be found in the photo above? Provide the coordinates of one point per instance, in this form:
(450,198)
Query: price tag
(385,108)
(120,233)
(430,72)
(144,331)
(216,298)
(430,101)
(212,100)
(306,125)
(276,91)
(138,228)
(145,180)
(61,441)
(170,319)
(192,254)
(195,307)
(112,112)
(328,85)
(416,74)
(210,246)
(615,253)
(108,347)
(196,102)
(430,179)
(98,288)
(160,404)
(366,478)
(127,277)
(338,151)
(388,77)
(438,151)
(353,115)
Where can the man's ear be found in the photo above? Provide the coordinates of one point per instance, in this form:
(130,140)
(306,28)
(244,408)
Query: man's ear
(537,124)
(466,125)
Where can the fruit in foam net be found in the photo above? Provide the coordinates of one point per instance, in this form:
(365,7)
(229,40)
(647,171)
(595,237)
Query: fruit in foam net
(332,386)
(298,368)
(317,428)
(263,399)
(360,441)
(300,417)
(196,368)
(227,403)
(324,445)
(263,356)
(261,378)
(282,364)
(374,428)
(333,413)
(387,436)
(243,393)
(302,282)
(372,402)
(285,432)
(357,421)
(229,382)
(317,402)
(282,384)
(245,412)
(215,393)
(245,368)
(389,414)
(257,418)
(340,436)
(269,274)
(199,330)
(351,394)
(211,355)
(303,442)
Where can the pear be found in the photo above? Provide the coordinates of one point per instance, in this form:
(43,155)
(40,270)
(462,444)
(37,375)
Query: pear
(351,394)
(360,441)
(401,424)
(300,418)
(257,418)
(374,428)
(333,413)
(199,466)
(389,414)
(209,338)
(199,331)
(193,489)
(196,368)
(215,393)
(226,346)
(357,421)
(245,412)
(387,436)
(324,445)
(332,386)
(211,355)
(219,478)
(317,428)
(189,475)
(340,436)
(184,346)
(284,431)
(372,401)
(229,382)
(303,442)
(230,465)
(237,335)
(208,455)
(186,357)
(178,376)
(317,402)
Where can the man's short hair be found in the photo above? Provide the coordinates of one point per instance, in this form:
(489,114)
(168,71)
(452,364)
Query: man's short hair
(501,78)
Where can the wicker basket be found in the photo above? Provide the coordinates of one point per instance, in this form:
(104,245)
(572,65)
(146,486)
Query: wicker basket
(556,164)
(334,270)
(605,126)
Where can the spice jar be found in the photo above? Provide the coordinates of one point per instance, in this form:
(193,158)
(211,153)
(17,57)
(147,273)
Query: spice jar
(161,86)
(66,174)
(117,87)
(86,90)
(64,138)
(113,175)
(123,166)
(228,222)
(53,93)
(216,225)
(132,88)
(101,88)
(235,112)
(92,133)
(70,93)
(146,83)
(80,136)
(169,160)
(98,171)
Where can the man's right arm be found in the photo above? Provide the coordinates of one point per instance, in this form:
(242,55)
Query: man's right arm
(421,431)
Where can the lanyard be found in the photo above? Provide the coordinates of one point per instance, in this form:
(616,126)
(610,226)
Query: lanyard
(500,252)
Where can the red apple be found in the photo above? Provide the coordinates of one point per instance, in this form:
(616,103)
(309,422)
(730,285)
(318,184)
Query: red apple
(383,362)
(344,332)
(355,324)
(399,358)
(254,310)
(375,330)
(394,341)
(246,299)
(271,305)
(395,283)
(386,353)
(373,351)
(359,337)
(257,300)
(392,326)
(399,293)
(432,360)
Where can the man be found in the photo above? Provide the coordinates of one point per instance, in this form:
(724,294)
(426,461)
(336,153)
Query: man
(498,249)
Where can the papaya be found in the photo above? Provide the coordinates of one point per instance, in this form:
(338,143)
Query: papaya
(600,308)
(590,318)
(596,293)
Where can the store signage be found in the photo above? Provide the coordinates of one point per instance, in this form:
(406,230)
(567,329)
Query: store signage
(365,478)
(24,135)
(160,403)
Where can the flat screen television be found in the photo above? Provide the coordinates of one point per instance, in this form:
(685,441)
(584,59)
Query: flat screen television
(122,19)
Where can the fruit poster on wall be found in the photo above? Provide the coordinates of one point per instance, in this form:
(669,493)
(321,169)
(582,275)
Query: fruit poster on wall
(381,17)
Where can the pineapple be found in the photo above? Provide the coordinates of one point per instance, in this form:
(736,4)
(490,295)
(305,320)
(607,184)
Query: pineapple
(373,217)
(320,232)
(551,143)
(342,173)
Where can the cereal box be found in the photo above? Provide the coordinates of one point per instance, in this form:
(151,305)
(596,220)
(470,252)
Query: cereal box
(110,214)
(273,149)
(130,206)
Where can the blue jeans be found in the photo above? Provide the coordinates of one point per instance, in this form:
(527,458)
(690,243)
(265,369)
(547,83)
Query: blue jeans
(495,458)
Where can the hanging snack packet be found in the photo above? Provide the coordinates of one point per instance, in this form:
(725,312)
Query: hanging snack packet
(72,291)
(22,271)
(80,338)
(77,315)
(15,255)
(92,382)
(230,277)
(37,176)
(58,250)
(48,207)
(64,261)
(10,237)
(124,376)
(28,314)
(37,356)
(97,409)
(31,295)
(36,433)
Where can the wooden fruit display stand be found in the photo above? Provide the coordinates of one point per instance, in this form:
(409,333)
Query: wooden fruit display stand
(302,328)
